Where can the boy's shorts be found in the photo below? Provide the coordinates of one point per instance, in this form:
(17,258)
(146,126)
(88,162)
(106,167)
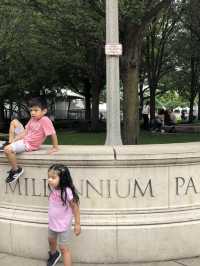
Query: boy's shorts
(61,237)
(18,146)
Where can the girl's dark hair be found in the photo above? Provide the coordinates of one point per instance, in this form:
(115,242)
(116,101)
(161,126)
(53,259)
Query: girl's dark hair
(65,181)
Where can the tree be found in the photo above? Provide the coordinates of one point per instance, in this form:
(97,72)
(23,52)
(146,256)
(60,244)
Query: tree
(60,40)
(158,51)
(61,44)
(186,54)
(134,18)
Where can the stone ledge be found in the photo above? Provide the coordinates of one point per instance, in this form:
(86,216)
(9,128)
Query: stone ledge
(99,219)
(165,153)
(131,197)
(69,152)
(105,155)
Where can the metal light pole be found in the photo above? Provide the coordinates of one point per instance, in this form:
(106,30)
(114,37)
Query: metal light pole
(113,50)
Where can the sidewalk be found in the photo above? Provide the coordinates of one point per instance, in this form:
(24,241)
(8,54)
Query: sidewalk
(8,260)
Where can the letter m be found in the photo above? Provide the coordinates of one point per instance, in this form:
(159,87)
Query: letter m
(14,188)
(143,192)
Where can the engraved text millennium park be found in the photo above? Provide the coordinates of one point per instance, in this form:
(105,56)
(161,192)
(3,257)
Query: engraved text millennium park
(104,188)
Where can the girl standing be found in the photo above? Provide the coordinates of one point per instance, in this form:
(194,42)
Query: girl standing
(63,205)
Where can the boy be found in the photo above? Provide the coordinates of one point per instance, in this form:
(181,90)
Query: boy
(35,133)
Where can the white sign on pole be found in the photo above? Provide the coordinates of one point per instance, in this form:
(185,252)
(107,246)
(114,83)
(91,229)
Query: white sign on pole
(114,49)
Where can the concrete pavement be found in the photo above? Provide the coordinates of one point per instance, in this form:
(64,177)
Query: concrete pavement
(8,260)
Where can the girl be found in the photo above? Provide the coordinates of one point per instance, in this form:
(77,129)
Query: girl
(63,204)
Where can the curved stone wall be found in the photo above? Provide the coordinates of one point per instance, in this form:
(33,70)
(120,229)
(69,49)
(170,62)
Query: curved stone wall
(138,203)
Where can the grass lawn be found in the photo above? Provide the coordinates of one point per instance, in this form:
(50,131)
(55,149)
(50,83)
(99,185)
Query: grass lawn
(76,138)
(79,138)
(158,138)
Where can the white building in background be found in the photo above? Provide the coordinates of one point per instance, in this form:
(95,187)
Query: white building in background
(66,105)
(178,110)
(69,105)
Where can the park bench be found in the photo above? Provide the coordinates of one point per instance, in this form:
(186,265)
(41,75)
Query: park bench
(183,128)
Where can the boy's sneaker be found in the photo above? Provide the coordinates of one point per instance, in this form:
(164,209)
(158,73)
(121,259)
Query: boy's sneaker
(14,175)
(2,146)
(53,258)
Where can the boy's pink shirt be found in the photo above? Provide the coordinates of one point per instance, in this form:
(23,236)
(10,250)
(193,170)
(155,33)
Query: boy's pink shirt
(59,215)
(37,131)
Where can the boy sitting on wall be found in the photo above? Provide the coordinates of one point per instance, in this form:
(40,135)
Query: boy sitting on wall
(34,135)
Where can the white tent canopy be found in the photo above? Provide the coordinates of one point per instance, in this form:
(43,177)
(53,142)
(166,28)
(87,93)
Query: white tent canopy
(70,93)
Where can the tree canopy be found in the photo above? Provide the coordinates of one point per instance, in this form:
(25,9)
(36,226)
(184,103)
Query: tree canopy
(47,45)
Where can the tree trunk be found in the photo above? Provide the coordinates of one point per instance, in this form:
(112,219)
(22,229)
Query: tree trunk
(152,101)
(130,78)
(199,105)
(87,107)
(141,94)
(131,107)
(192,98)
(68,109)
(1,115)
(11,110)
(95,108)
(192,88)
(87,89)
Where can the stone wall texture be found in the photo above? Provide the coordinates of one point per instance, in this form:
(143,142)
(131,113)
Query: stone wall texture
(138,203)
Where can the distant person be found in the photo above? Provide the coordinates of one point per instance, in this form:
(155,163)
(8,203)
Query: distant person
(35,133)
(183,115)
(63,205)
(158,123)
(172,117)
(145,115)
(170,120)
(101,117)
